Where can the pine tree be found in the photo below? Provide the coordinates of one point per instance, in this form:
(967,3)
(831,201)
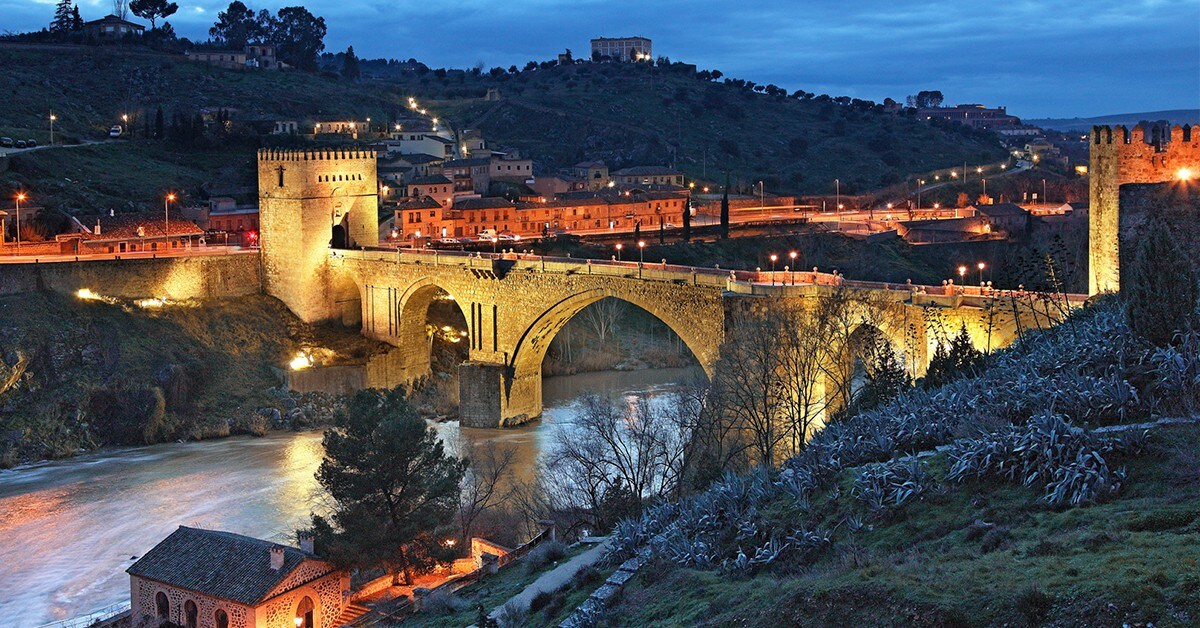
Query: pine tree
(63,21)
(725,210)
(1160,291)
(76,20)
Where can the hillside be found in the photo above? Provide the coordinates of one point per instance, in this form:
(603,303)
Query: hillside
(624,114)
(1175,116)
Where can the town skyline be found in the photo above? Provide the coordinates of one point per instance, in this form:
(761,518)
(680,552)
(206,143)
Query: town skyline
(1053,60)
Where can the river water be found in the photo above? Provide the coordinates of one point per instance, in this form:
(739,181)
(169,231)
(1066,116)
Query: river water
(70,528)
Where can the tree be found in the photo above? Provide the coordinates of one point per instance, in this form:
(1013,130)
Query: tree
(76,20)
(725,209)
(1160,291)
(237,26)
(299,37)
(121,8)
(602,317)
(63,22)
(159,130)
(637,231)
(886,377)
(959,360)
(687,220)
(393,488)
(350,68)
(486,482)
(153,9)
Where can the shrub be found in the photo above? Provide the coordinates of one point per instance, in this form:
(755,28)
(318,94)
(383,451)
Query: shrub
(540,600)
(1033,604)
(586,576)
(441,602)
(1160,304)
(890,485)
(544,554)
(511,616)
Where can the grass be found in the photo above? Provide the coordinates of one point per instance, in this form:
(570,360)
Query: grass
(1132,559)
(490,593)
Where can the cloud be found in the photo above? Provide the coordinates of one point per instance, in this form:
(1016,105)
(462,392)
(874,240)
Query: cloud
(1040,58)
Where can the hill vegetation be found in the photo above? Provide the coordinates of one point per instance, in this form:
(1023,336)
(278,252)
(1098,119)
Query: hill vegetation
(626,114)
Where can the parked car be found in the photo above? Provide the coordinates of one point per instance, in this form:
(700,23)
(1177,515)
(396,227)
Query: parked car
(21,144)
(448,241)
(30,143)
(669,225)
(488,234)
(509,237)
(115,131)
(6,142)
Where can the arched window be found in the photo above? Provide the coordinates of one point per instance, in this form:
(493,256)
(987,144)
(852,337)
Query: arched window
(306,612)
(191,615)
(221,619)
(162,608)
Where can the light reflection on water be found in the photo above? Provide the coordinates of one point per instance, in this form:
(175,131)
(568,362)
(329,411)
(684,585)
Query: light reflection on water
(69,528)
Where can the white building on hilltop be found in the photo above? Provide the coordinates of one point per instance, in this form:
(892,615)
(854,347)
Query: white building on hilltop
(622,49)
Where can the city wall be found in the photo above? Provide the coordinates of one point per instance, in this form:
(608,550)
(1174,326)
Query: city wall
(193,277)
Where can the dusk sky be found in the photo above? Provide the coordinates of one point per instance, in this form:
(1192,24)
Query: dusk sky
(1040,58)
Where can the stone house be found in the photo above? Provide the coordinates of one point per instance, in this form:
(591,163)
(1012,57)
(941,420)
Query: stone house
(648,175)
(1007,217)
(112,27)
(199,578)
(129,232)
(594,172)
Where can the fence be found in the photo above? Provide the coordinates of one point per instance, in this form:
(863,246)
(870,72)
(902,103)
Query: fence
(96,617)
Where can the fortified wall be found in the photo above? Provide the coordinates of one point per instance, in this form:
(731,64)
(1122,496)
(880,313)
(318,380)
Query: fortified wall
(198,277)
(310,200)
(1120,156)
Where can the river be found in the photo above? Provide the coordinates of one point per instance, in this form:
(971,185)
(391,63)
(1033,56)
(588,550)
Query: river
(70,528)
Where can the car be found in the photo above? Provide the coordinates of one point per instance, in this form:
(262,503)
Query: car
(115,131)
(669,225)
(6,142)
(31,143)
(21,144)
(509,237)
(488,234)
(448,241)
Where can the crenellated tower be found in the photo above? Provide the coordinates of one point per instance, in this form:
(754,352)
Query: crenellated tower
(1119,156)
(310,201)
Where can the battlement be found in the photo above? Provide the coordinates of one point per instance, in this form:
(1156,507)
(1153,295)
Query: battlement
(314,154)
(1119,134)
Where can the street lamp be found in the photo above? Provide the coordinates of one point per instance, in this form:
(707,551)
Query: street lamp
(166,222)
(619,247)
(920,183)
(981,266)
(20,197)
(52,119)
(962,274)
(793,266)
(773,258)
(837,185)
(641,256)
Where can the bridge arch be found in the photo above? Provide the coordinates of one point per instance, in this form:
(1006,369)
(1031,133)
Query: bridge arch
(411,315)
(524,381)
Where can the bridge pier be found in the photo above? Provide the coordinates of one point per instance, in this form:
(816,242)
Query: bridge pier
(488,397)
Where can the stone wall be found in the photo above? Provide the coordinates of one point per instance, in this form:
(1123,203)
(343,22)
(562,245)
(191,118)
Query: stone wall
(192,277)
(1120,156)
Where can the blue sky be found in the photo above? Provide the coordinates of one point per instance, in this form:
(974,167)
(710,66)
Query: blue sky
(1045,58)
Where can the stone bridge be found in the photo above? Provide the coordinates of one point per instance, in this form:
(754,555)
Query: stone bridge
(515,305)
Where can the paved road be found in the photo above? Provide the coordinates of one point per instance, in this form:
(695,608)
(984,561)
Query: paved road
(554,579)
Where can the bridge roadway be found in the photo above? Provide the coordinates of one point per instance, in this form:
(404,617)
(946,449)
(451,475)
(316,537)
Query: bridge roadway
(514,305)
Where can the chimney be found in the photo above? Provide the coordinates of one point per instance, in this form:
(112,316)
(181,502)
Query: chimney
(306,542)
(277,557)
(97,226)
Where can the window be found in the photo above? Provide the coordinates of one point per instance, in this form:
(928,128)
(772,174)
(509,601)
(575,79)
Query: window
(162,608)
(190,614)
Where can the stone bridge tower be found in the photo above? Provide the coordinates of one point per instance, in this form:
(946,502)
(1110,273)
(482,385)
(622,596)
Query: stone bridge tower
(311,201)
(1120,156)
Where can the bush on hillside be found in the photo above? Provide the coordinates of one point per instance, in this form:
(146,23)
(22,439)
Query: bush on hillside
(1161,290)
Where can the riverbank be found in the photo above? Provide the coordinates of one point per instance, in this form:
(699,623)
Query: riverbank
(80,374)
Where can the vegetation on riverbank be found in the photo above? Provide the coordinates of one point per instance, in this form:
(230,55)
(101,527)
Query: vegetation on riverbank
(81,374)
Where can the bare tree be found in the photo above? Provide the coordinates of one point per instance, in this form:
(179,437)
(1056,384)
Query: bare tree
(487,483)
(747,383)
(121,8)
(602,317)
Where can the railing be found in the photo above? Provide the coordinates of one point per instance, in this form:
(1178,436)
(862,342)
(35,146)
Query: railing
(765,283)
(92,618)
(50,258)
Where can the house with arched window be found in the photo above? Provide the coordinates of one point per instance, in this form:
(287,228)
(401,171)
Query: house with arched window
(210,579)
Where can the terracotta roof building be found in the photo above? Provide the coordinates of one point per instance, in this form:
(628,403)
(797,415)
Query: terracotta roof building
(137,231)
(209,578)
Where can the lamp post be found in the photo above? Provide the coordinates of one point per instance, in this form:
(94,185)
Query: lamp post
(773,258)
(52,119)
(981,266)
(962,274)
(166,220)
(762,197)
(793,267)
(619,247)
(641,256)
(1044,191)
(837,186)
(984,186)
(920,182)
(20,197)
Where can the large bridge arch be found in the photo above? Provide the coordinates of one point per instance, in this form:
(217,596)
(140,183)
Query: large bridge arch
(523,385)
(410,314)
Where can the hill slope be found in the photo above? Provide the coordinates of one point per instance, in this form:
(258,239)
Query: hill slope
(1176,116)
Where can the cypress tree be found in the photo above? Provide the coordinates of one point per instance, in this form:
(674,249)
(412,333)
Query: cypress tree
(725,209)
(687,220)
(1161,290)
(350,69)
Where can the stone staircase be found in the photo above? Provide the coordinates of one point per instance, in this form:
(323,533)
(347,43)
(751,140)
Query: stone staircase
(351,614)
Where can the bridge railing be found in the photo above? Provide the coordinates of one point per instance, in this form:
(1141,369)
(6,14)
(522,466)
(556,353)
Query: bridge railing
(772,283)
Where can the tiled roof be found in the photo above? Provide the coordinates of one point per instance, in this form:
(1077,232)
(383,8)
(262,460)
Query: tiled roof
(417,159)
(221,564)
(647,171)
(590,164)
(482,203)
(425,202)
(1001,209)
(467,163)
(435,179)
(126,226)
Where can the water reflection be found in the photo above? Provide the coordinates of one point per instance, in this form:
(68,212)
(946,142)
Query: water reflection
(68,529)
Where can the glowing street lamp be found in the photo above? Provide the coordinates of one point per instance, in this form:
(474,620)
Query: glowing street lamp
(20,197)
(962,273)
(981,266)
(641,256)
(170,198)
(52,119)
(619,247)
(774,257)
(792,267)
(1184,174)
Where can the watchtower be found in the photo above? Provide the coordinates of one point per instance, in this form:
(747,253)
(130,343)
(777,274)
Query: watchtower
(311,201)
(1120,156)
